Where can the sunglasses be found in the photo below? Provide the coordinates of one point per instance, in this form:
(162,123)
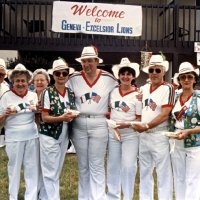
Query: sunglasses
(157,70)
(189,77)
(58,74)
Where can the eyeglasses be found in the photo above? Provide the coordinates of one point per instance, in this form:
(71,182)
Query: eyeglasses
(157,70)
(58,74)
(1,74)
(189,77)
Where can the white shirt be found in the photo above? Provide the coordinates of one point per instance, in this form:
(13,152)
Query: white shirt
(92,98)
(20,126)
(124,107)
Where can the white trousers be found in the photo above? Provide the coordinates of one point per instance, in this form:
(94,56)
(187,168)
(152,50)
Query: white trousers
(154,152)
(26,153)
(122,164)
(90,137)
(186,170)
(52,156)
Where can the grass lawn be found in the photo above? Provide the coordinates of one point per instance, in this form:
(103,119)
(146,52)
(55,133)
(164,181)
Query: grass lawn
(68,182)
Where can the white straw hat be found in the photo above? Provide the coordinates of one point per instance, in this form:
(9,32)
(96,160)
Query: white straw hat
(60,64)
(89,52)
(2,63)
(185,67)
(125,62)
(156,60)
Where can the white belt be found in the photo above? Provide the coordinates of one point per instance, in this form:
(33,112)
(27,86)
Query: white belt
(91,116)
(156,129)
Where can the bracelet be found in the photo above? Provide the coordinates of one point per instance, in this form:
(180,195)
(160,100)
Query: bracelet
(147,126)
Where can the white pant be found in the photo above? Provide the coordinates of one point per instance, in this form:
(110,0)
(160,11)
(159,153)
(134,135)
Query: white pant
(154,152)
(186,170)
(52,155)
(90,137)
(122,164)
(26,152)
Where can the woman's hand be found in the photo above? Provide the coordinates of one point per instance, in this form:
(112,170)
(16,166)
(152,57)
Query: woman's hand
(181,135)
(10,111)
(68,116)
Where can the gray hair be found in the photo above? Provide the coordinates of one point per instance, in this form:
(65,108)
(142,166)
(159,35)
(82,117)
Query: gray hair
(41,71)
(17,73)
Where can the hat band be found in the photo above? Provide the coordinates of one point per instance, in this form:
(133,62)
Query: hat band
(186,70)
(88,54)
(156,63)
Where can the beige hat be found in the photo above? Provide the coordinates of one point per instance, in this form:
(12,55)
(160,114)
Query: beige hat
(60,64)
(185,67)
(2,63)
(89,52)
(156,60)
(175,80)
(125,62)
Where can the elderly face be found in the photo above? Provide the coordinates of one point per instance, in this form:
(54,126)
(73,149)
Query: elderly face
(2,74)
(156,74)
(40,82)
(20,84)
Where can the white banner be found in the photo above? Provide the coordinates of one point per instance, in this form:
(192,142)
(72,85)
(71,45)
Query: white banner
(198,58)
(97,18)
(197,47)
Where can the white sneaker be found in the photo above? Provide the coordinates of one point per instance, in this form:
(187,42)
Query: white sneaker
(2,140)
(71,149)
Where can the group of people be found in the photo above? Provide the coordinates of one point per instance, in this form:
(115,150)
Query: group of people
(138,129)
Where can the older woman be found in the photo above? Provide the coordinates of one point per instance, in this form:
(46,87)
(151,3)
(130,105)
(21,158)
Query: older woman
(123,150)
(186,149)
(3,88)
(17,107)
(56,101)
(40,81)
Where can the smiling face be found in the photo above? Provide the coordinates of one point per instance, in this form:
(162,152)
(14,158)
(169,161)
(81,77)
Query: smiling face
(126,76)
(156,74)
(187,80)
(20,84)
(40,82)
(89,65)
(61,76)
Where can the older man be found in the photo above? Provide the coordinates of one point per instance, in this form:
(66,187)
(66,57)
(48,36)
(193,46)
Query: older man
(3,88)
(154,146)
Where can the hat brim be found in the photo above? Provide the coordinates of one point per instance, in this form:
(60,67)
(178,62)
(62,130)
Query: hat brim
(134,66)
(175,79)
(51,71)
(188,71)
(85,57)
(165,64)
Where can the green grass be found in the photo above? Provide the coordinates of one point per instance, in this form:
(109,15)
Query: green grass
(68,182)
